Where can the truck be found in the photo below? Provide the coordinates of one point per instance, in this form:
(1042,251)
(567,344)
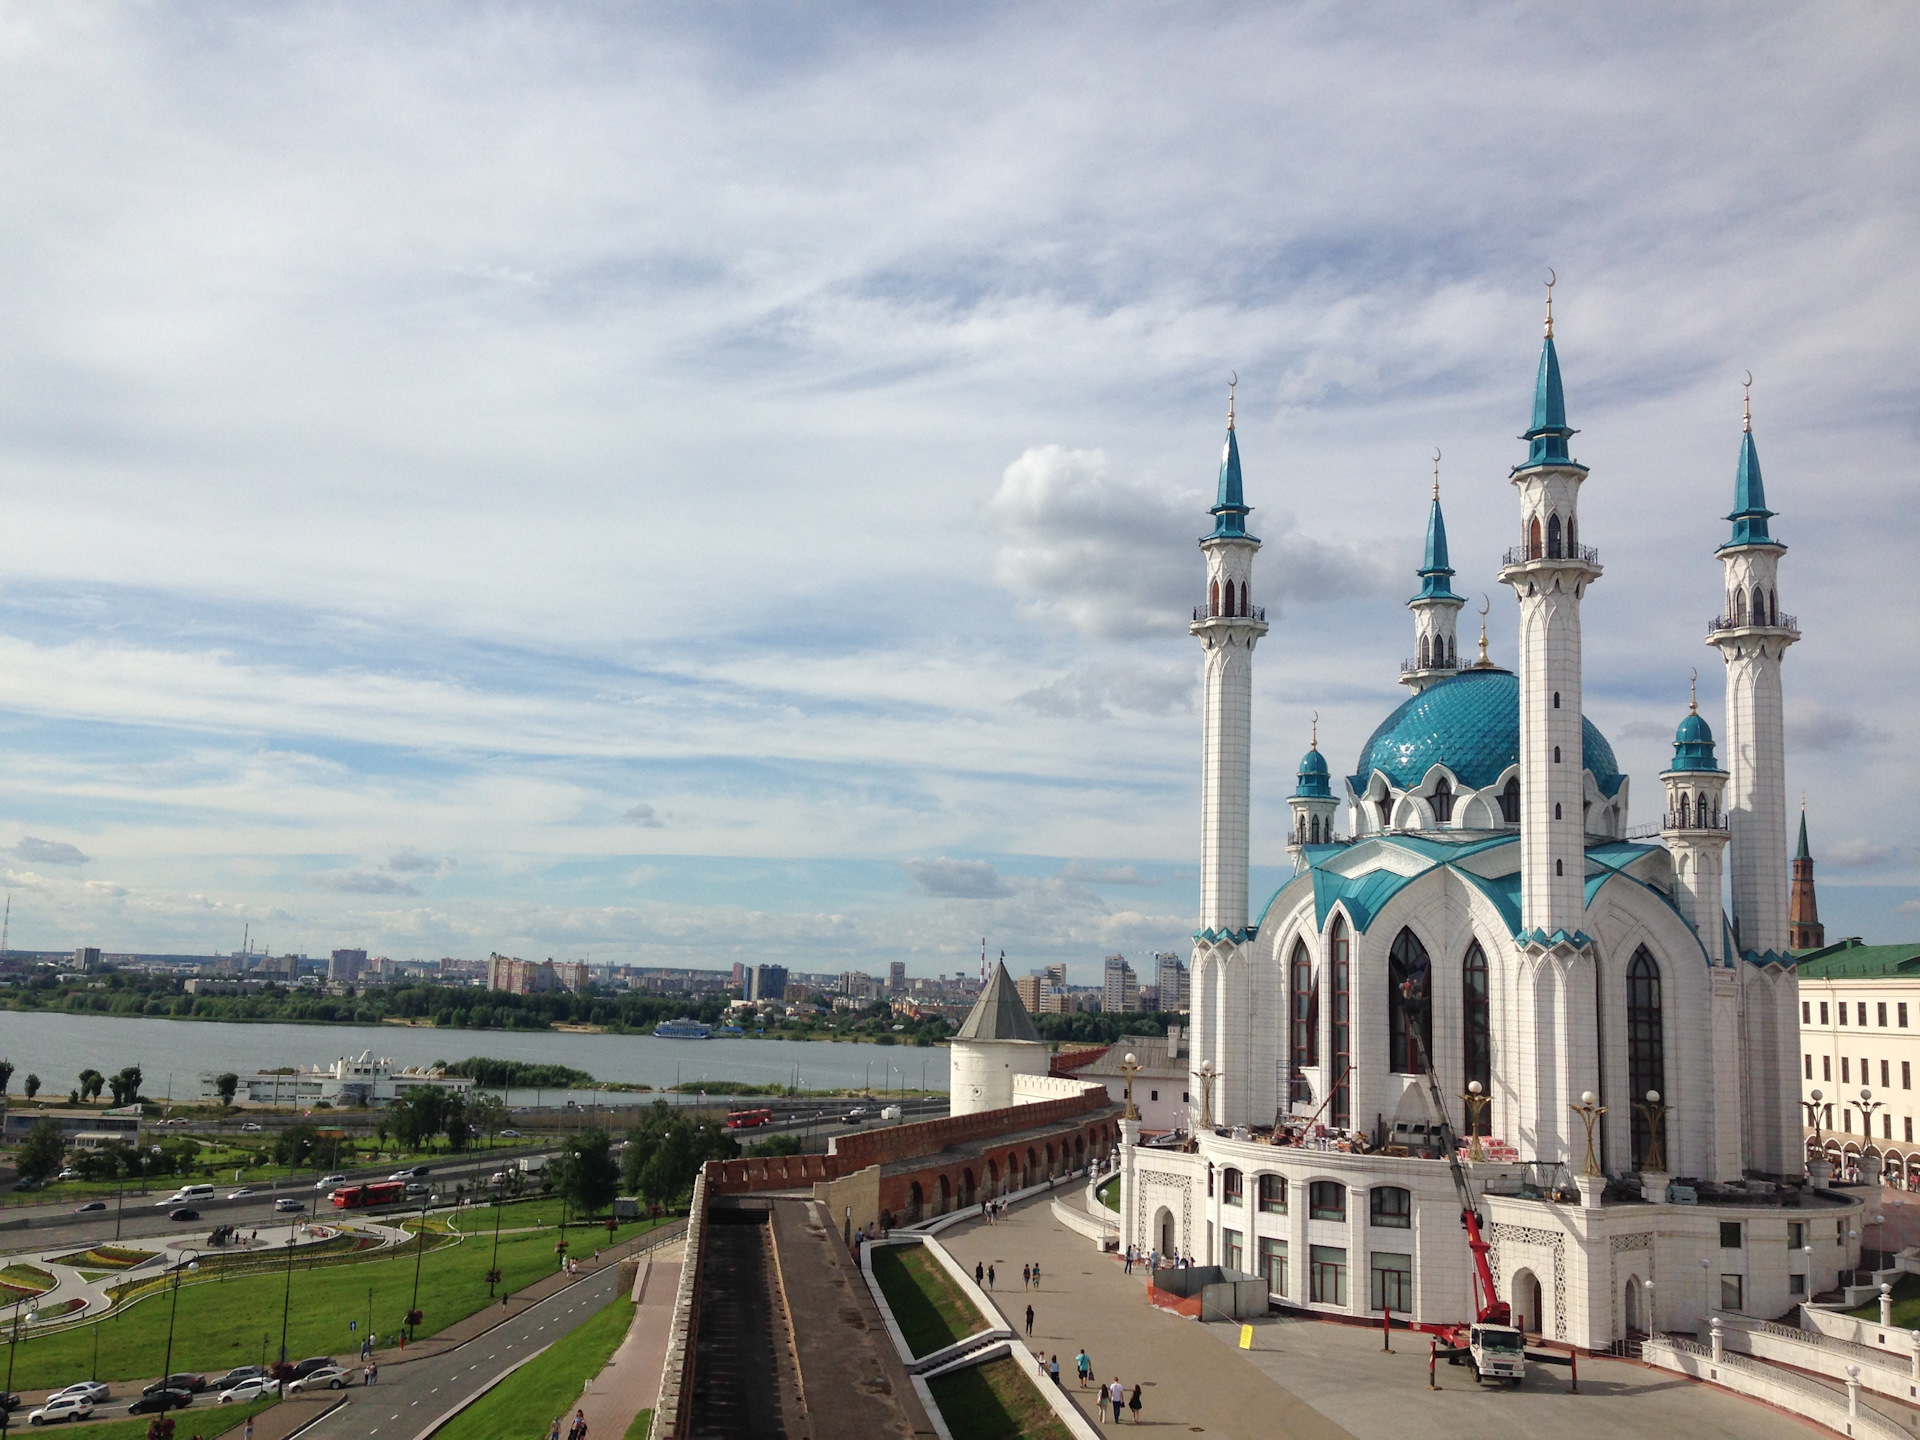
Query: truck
(533,1164)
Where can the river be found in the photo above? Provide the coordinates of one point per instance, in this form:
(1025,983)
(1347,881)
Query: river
(172,1054)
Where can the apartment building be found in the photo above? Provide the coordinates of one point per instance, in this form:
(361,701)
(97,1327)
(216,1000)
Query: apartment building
(1860,1031)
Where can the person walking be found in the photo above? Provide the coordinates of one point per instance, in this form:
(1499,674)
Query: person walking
(1026,1276)
(989,1277)
(1053,1370)
(376,1372)
(366,1374)
(579,1425)
(1084,1366)
(1036,1274)
(249,1435)
(553,1430)
(1029,1319)
(1133,1404)
(979,1271)
(1117,1397)
(1129,1261)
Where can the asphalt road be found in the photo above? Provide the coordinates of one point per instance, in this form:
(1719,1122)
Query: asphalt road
(410,1396)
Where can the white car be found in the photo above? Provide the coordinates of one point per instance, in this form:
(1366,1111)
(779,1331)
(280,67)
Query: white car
(327,1182)
(328,1377)
(252,1127)
(62,1407)
(87,1389)
(249,1390)
(241,1193)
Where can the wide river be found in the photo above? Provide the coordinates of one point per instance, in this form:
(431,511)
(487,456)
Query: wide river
(173,1054)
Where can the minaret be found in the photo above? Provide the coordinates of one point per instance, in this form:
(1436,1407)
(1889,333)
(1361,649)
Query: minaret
(1549,572)
(1695,829)
(1312,803)
(1227,628)
(1436,609)
(1752,637)
(1805,932)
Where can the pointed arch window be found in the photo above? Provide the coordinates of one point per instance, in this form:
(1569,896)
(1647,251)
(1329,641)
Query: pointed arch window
(1409,1017)
(1443,801)
(1230,610)
(1476,1001)
(1739,607)
(1686,812)
(1423,652)
(1759,606)
(1773,606)
(1533,539)
(1244,611)
(1213,597)
(1452,656)
(1646,1052)
(1303,1009)
(1553,537)
(1573,550)
(1340,982)
(1510,802)
(1385,806)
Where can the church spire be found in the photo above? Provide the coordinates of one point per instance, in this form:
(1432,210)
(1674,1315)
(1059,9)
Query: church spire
(1804,930)
(1750,513)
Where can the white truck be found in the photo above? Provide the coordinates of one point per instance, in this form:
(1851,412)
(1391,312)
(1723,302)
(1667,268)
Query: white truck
(533,1164)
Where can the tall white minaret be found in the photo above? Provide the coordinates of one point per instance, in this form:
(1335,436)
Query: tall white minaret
(1228,627)
(1752,635)
(1553,982)
(1436,609)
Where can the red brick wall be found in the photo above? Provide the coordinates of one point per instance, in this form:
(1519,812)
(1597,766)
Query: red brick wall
(896,1190)
(925,1137)
(771,1172)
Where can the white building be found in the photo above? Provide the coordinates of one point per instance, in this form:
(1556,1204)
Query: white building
(349,1080)
(1159,1082)
(1120,986)
(995,1047)
(1489,910)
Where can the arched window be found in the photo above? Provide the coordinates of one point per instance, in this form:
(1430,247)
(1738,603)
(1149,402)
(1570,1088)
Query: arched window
(1573,551)
(1533,539)
(1232,1187)
(1316,829)
(1452,654)
(1244,587)
(1510,802)
(1773,606)
(1476,1002)
(1553,537)
(1303,1008)
(1385,806)
(1760,606)
(1409,1019)
(1391,1207)
(1559,867)
(1700,808)
(1686,812)
(1442,801)
(1739,607)
(1556,699)
(1556,754)
(1230,610)
(1422,662)
(1646,1052)
(1213,597)
(1341,954)
(1556,809)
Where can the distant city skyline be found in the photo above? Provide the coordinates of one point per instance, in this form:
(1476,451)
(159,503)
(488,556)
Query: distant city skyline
(686,487)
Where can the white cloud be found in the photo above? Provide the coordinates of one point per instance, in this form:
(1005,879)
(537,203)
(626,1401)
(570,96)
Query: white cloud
(957,879)
(408,861)
(1848,854)
(1089,873)
(364,882)
(36,851)
(645,816)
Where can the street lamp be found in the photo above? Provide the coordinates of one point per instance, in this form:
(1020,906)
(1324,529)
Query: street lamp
(1867,1106)
(413,1308)
(1655,1116)
(493,1266)
(1706,1295)
(1130,1067)
(1589,1110)
(286,1302)
(1653,1323)
(1476,1102)
(12,1346)
(193,1265)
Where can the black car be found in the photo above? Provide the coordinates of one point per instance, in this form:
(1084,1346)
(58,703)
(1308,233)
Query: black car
(9,1400)
(29,1183)
(192,1384)
(234,1376)
(158,1402)
(307,1367)
(183,1212)
(89,1207)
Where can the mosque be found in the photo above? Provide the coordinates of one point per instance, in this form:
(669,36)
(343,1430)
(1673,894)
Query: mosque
(1616,1051)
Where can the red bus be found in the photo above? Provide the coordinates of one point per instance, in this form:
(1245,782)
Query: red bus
(359,1197)
(748,1119)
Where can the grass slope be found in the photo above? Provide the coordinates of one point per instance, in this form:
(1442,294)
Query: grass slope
(995,1402)
(201,1422)
(224,1323)
(930,1309)
(548,1385)
(1109,1194)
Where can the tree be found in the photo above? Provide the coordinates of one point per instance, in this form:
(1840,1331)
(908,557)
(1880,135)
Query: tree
(6,1075)
(125,1085)
(92,1082)
(33,1086)
(588,1176)
(666,1150)
(226,1084)
(42,1151)
(295,1145)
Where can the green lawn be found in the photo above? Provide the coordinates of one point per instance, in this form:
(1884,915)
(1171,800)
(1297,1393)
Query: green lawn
(995,1402)
(223,1323)
(930,1309)
(1109,1194)
(478,1219)
(526,1402)
(1906,1304)
(641,1427)
(202,1422)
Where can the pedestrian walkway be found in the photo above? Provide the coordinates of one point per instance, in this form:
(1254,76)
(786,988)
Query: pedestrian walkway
(630,1382)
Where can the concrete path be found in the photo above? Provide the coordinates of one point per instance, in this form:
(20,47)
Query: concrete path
(1314,1379)
(630,1382)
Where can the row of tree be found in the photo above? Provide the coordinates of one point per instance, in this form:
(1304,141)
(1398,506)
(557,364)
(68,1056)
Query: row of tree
(125,1084)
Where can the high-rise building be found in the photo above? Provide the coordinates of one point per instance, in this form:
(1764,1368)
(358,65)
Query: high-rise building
(87,957)
(767,982)
(1122,989)
(1028,987)
(346,966)
(897,977)
(1170,983)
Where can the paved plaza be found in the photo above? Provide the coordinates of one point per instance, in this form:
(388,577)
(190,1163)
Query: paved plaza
(1309,1379)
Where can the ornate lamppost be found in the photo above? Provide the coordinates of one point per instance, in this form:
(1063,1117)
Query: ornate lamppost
(1867,1106)
(193,1265)
(1477,1103)
(1655,1114)
(1207,1076)
(1589,1110)
(12,1346)
(1815,1112)
(1130,1067)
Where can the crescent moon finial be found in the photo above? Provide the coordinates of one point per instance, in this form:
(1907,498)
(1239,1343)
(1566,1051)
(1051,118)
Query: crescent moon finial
(1552,280)
(1232,385)
(1485,603)
(1746,403)
(1315,744)
(1436,472)
(1693,693)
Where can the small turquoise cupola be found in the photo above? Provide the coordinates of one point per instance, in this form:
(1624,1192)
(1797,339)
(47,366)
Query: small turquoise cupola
(1693,743)
(1315,781)
(1750,513)
(1547,438)
(1230,508)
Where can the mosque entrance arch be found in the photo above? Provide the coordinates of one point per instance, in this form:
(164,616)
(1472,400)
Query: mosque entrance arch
(1635,1308)
(1163,1231)
(1526,1303)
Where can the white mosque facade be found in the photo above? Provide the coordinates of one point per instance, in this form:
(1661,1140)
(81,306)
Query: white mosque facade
(1489,906)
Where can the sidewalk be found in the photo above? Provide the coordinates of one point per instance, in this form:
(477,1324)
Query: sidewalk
(630,1382)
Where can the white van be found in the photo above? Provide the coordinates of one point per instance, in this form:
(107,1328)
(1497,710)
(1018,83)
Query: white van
(186,1194)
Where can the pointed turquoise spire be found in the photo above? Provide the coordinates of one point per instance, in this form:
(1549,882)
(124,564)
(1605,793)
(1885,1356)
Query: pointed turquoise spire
(1803,853)
(1547,437)
(1750,513)
(1434,569)
(1230,509)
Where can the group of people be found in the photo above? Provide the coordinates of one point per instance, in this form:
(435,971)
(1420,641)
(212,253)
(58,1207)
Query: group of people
(576,1428)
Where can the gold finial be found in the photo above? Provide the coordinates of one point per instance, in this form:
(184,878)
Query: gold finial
(1436,472)
(1483,663)
(1746,403)
(1693,694)
(1552,280)
(1231,386)
(1314,743)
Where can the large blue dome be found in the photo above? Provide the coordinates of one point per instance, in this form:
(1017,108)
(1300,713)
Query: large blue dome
(1471,723)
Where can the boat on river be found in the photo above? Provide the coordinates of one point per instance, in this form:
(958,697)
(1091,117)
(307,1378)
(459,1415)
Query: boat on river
(683,1029)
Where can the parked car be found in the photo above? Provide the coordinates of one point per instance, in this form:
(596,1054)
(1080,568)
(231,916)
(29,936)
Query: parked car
(61,1408)
(252,1127)
(310,1365)
(234,1376)
(327,1377)
(509,1134)
(241,1193)
(248,1390)
(27,1182)
(183,1213)
(89,1207)
(287,1205)
(69,1174)
(92,1390)
(193,1384)
(158,1402)
(9,1401)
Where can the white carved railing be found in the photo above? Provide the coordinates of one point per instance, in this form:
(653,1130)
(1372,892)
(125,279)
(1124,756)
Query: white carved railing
(1837,1410)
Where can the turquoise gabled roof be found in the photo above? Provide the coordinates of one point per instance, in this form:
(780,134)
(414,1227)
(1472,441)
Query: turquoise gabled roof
(1470,722)
(1434,569)
(1750,513)
(1230,508)
(1547,437)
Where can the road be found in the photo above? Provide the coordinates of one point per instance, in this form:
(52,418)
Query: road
(411,1395)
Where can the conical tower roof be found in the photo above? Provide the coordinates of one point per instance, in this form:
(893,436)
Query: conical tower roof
(999,1014)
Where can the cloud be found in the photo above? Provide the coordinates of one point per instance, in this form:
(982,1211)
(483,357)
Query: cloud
(408,861)
(644,816)
(1848,854)
(1113,556)
(36,851)
(957,879)
(1088,873)
(1827,729)
(364,882)
(1094,692)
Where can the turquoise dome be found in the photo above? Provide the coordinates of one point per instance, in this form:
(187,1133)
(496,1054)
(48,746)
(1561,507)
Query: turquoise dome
(1315,783)
(1693,745)
(1469,722)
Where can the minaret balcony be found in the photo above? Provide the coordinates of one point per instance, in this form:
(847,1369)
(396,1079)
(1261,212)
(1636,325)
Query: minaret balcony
(1414,667)
(1789,624)
(1584,555)
(1253,615)
(1693,824)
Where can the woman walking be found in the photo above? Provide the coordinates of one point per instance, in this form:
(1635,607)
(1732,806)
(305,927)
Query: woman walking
(1134,1404)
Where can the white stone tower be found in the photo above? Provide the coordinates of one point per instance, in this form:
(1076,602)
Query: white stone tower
(1436,609)
(1752,637)
(997,1043)
(1228,628)
(1554,981)
(1312,803)
(1695,829)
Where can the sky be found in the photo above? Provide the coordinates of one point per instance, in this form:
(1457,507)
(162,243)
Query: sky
(684,484)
